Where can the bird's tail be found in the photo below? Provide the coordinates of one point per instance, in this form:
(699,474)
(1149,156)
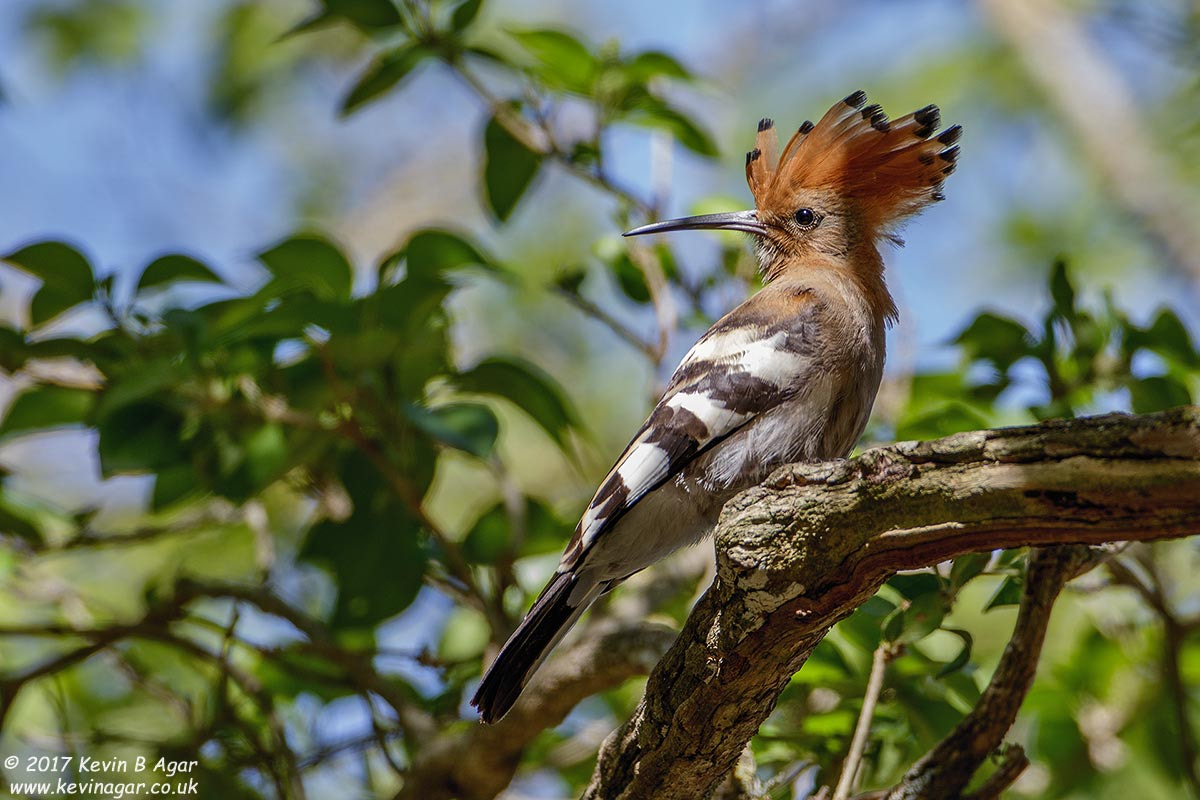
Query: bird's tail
(557,608)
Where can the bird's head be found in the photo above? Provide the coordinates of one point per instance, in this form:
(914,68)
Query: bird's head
(837,186)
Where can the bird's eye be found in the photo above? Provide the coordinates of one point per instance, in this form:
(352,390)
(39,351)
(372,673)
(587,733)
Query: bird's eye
(807,218)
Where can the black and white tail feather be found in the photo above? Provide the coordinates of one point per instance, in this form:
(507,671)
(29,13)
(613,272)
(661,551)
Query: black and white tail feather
(552,615)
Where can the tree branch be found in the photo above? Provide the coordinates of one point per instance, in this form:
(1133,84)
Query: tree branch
(480,762)
(801,551)
(947,769)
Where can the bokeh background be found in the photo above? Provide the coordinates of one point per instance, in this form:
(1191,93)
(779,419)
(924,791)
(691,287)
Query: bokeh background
(1060,277)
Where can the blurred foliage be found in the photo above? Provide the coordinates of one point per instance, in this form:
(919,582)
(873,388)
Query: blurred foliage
(293,436)
(90,31)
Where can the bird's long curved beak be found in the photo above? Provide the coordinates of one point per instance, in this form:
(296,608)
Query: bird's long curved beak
(746,221)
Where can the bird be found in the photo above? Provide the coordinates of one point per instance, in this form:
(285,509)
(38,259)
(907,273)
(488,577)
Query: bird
(790,375)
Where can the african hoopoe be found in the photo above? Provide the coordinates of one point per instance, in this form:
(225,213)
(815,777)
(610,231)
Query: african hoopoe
(789,375)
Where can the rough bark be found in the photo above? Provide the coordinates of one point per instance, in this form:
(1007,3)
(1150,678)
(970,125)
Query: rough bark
(813,542)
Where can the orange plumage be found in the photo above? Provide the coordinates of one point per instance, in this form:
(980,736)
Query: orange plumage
(888,169)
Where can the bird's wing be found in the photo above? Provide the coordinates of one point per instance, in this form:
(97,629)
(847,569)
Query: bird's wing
(751,360)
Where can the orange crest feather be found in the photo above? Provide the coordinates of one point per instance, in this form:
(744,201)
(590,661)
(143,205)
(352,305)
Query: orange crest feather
(888,169)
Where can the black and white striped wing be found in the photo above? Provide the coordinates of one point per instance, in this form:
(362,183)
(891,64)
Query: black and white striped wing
(744,366)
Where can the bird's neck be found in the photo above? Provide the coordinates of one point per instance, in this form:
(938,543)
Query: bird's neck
(857,272)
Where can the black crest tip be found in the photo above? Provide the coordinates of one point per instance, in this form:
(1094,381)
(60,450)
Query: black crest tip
(752,156)
(951,135)
(765,124)
(950,154)
(929,116)
(857,99)
(806,127)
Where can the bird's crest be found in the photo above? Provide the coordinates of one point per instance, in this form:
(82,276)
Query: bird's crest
(889,168)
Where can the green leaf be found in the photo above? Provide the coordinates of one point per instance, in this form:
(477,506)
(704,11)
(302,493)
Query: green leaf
(266,455)
(565,60)
(893,625)
(1007,594)
(431,253)
(527,386)
(66,276)
(14,352)
(942,421)
(140,437)
(913,585)
(1157,393)
(1168,337)
(382,75)
(994,338)
(654,113)
(967,567)
(366,14)
(313,22)
(138,383)
(470,427)
(173,484)
(14,523)
(652,64)
(1061,291)
(465,636)
(312,263)
(631,279)
(376,555)
(464,14)
(490,537)
(176,269)
(964,655)
(923,616)
(46,406)
(509,168)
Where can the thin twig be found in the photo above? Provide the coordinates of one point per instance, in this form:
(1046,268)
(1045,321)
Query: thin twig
(851,768)
(615,325)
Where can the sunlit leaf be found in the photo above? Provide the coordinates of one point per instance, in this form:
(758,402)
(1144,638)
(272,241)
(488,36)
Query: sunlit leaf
(565,60)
